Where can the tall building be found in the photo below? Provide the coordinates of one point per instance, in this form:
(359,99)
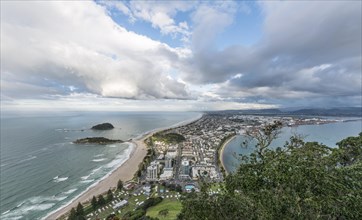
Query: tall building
(152,172)
(185,167)
(168,162)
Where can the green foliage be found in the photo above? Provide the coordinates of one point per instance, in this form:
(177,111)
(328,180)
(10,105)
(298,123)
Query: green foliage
(94,203)
(146,161)
(72,215)
(112,217)
(120,185)
(350,150)
(169,137)
(299,181)
(172,206)
(174,187)
(150,218)
(80,210)
(134,215)
(109,195)
(139,173)
(150,202)
(101,200)
(264,136)
(163,212)
(77,213)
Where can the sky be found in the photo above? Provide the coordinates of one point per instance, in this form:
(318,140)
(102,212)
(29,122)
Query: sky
(180,55)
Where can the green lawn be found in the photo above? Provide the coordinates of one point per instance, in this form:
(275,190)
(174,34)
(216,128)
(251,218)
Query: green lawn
(216,187)
(173,206)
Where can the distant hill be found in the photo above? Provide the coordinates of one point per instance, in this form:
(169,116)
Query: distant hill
(346,111)
(248,111)
(263,111)
(342,111)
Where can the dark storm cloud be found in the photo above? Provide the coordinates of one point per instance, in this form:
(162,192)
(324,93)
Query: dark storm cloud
(309,49)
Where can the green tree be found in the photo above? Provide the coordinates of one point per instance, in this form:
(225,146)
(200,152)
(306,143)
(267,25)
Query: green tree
(94,203)
(101,200)
(109,195)
(72,215)
(264,136)
(80,210)
(350,150)
(139,173)
(299,181)
(178,188)
(120,185)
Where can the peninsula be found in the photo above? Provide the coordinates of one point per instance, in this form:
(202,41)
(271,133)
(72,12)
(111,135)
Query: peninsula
(173,160)
(96,140)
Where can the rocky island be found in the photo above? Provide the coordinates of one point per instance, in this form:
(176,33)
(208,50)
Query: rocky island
(104,126)
(96,140)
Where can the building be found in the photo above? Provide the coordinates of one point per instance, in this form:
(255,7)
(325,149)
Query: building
(128,186)
(147,190)
(152,172)
(160,157)
(120,204)
(167,174)
(204,170)
(168,162)
(185,167)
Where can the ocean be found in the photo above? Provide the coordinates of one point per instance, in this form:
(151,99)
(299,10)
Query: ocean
(328,134)
(42,170)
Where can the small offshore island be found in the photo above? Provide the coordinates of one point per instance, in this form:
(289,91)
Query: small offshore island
(103,126)
(96,140)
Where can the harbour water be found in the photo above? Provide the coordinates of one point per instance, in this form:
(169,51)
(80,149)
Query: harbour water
(328,134)
(41,170)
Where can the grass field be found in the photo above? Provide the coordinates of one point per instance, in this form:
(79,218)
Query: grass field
(216,186)
(173,206)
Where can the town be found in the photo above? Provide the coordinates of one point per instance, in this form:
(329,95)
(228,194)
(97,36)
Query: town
(178,161)
(186,154)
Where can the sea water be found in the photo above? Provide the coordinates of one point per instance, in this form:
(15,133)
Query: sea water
(328,134)
(42,170)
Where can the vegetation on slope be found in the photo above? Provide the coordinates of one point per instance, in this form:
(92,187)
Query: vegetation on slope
(96,140)
(166,210)
(104,126)
(169,137)
(299,181)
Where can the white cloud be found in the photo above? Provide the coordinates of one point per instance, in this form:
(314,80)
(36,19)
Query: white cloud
(77,44)
(210,20)
(289,62)
(160,14)
(52,50)
(91,102)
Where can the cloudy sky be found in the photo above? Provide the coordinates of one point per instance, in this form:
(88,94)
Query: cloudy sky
(190,55)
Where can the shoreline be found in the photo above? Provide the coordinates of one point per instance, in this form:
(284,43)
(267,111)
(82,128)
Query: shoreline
(125,171)
(221,158)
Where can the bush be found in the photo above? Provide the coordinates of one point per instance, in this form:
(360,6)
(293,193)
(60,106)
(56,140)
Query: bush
(299,181)
(150,202)
(135,215)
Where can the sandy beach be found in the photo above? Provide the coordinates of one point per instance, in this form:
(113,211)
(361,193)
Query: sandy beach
(222,152)
(125,172)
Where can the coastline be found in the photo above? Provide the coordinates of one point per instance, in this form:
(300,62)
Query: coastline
(222,151)
(125,171)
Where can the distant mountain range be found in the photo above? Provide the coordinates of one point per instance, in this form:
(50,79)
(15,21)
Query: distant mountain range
(341,111)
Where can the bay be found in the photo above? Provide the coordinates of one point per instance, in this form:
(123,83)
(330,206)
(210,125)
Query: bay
(328,134)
